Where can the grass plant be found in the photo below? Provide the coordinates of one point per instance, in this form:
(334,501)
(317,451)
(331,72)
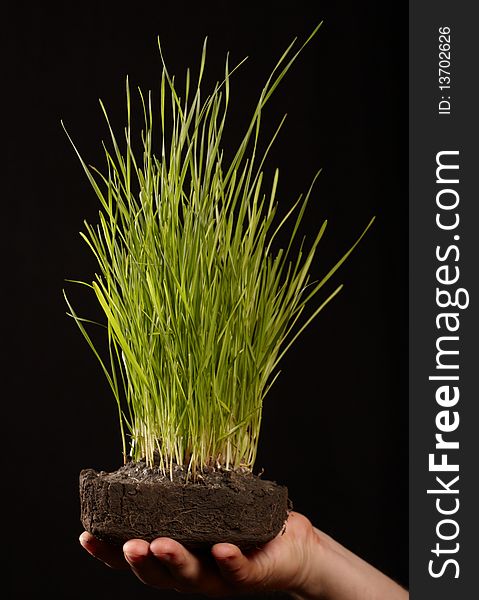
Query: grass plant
(199,306)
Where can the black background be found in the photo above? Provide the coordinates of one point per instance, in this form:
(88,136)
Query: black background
(335,424)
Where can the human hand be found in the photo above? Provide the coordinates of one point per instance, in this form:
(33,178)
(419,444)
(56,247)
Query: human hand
(282,564)
(303,561)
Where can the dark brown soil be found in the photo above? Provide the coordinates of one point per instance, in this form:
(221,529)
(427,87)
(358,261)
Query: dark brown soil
(220,506)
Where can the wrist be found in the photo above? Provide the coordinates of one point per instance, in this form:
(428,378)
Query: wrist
(333,572)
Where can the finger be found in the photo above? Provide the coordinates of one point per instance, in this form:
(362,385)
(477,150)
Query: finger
(237,568)
(184,567)
(145,566)
(107,553)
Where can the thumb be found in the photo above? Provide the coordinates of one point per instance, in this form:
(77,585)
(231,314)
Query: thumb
(235,567)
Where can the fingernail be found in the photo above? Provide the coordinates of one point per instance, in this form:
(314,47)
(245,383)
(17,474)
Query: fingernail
(166,557)
(133,557)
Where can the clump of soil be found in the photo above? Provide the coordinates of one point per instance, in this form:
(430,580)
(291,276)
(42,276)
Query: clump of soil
(220,505)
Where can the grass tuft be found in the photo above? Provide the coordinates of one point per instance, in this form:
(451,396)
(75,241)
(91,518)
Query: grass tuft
(199,308)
